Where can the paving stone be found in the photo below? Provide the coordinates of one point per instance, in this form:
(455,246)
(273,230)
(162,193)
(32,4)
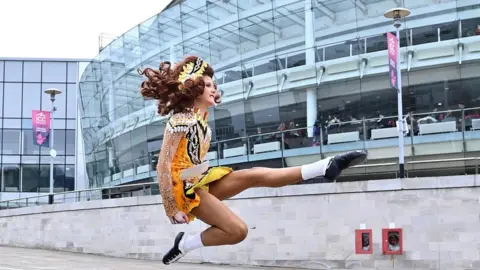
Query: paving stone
(12,258)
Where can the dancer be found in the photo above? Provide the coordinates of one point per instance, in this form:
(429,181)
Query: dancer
(188,188)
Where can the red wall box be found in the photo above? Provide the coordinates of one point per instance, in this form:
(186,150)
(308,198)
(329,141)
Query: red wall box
(392,241)
(363,238)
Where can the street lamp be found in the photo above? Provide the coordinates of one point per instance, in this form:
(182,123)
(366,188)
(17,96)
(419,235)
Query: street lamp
(52,92)
(397,14)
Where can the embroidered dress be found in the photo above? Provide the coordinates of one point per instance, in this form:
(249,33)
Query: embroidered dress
(185,144)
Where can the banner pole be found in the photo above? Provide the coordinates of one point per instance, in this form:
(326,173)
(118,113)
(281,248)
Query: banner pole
(52,92)
(397,14)
(50,196)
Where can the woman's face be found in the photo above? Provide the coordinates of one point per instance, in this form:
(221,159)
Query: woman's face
(207,99)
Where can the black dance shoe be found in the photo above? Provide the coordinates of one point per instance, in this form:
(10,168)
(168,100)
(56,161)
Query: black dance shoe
(343,161)
(175,253)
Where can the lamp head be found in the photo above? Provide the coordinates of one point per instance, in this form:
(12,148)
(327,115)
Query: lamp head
(397,13)
(53,91)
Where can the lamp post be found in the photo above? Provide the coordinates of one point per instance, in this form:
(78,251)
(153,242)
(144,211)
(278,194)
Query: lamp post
(397,14)
(52,92)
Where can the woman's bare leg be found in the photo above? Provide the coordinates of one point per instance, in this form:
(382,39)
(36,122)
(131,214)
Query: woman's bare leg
(238,181)
(226,228)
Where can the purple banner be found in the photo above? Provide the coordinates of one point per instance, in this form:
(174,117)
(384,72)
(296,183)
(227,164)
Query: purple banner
(41,128)
(392,42)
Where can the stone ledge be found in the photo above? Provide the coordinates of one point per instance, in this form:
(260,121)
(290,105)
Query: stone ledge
(294,190)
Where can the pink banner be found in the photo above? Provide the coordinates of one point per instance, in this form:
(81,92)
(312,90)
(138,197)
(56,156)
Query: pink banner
(392,42)
(41,127)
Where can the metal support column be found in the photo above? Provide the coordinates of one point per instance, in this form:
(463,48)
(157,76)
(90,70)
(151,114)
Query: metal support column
(310,61)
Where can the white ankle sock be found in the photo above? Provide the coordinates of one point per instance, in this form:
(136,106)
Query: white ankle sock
(191,242)
(315,169)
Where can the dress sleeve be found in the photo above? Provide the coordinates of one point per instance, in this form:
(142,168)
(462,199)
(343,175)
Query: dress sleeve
(175,130)
(165,181)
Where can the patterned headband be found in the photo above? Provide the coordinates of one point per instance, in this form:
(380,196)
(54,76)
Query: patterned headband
(191,70)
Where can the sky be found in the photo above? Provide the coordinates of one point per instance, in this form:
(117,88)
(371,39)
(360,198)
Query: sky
(67,28)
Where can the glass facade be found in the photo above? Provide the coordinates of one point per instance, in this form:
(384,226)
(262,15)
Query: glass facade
(25,166)
(287,67)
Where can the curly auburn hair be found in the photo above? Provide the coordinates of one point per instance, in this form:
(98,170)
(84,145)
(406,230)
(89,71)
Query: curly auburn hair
(164,86)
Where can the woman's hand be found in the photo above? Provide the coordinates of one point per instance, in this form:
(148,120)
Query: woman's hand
(179,218)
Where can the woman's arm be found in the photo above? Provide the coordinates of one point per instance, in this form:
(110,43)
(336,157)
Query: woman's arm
(164,173)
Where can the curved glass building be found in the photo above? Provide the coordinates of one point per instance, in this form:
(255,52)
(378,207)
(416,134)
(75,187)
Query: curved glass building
(301,79)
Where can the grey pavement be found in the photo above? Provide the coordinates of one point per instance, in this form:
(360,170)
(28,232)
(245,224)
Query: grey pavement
(36,259)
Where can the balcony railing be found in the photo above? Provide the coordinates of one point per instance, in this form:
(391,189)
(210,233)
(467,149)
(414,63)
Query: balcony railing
(429,135)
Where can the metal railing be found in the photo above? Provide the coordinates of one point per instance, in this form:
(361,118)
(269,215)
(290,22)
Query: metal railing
(151,188)
(462,125)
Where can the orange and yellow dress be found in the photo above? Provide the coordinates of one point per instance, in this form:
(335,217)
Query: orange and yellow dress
(185,144)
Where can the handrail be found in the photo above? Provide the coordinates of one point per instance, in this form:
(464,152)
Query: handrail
(375,165)
(442,160)
(153,182)
(324,132)
(80,191)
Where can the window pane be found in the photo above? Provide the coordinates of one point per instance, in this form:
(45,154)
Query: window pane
(331,105)
(262,115)
(11,177)
(337,51)
(56,160)
(30,178)
(32,71)
(70,177)
(27,123)
(58,123)
(469,27)
(71,101)
(59,99)
(122,146)
(29,148)
(12,123)
(58,178)
(11,159)
(1,99)
(13,71)
(428,89)
(230,121)
(54,72)
(154,136)
(13,96)
(44,178)
(70,140)
(72,72)
(71,124)
(30,159)
(69,160)
(138,139)
(293,108)
(296,60)
(31,98)
(1,138)
(1,70)
(11,142)
(59,141)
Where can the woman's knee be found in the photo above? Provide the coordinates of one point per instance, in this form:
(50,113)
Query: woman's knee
(238,231)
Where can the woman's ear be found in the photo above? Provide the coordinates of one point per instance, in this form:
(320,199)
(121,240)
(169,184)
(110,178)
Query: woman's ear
(218,96)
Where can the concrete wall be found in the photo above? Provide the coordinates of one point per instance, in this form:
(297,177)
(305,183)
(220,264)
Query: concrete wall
(309,226)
